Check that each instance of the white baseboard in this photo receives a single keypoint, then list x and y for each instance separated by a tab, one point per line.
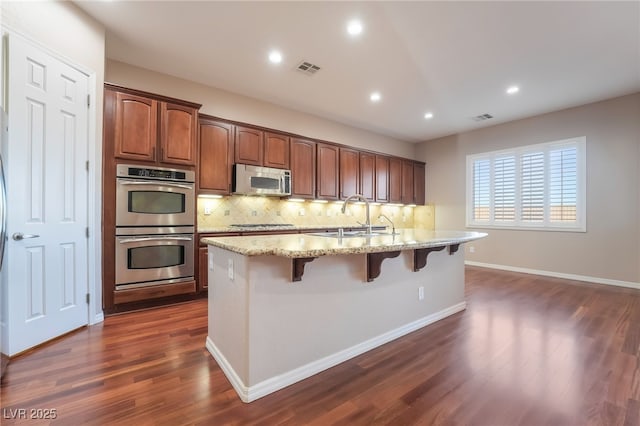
97	318
574	277
251	393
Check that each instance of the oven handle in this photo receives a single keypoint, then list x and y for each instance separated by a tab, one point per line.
144	182
158	238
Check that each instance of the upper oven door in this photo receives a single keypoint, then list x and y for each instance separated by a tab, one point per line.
142	202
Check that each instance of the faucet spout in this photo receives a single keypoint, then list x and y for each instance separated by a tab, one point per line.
359	197
393	227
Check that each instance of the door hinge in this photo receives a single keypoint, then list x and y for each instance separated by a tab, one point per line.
88	101
86	231
88	298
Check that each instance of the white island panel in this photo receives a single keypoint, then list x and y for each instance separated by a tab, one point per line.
268	332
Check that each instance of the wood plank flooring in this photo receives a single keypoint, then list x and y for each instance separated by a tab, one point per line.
528	350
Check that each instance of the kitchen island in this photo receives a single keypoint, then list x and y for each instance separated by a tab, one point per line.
285	307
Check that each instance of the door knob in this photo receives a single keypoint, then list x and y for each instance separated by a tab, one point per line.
20	236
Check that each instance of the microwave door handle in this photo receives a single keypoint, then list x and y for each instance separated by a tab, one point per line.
141	239
144	182
282	184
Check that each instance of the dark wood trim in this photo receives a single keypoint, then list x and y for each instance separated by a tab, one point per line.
374	263
453	248
153	292
420	257
162	98
297	267
4	363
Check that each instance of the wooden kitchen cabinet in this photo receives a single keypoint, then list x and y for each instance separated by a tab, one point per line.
178	134
395	180
368	175
349	172
276	151
216	156
407	182
154	130
136	121
249	146
327	172
303	168
203	268
382	178
419	195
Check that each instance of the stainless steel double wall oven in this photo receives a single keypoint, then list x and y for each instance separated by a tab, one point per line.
155	224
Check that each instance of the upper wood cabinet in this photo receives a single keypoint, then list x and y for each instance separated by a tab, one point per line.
349	172
136	121
368	175
395	180
407	182
147	129
276	151
303	168
382	179
178	134
249	146
327	172
419	183
216	157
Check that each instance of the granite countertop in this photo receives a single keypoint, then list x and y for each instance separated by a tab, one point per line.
283	227
307	245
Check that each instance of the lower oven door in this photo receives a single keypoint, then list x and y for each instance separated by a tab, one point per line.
145	260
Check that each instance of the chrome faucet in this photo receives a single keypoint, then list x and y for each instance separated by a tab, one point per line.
393	227
360	198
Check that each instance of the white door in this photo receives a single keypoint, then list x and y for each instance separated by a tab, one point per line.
45	166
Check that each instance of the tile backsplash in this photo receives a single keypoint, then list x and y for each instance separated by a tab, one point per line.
225	211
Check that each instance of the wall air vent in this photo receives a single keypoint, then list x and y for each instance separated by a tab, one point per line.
482	117
308	68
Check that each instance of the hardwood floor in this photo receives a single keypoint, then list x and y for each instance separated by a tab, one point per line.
528	350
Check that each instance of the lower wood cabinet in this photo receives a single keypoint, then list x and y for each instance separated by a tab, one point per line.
203	269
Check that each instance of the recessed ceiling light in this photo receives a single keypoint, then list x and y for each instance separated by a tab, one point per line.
275	57
375	97
513	90
428	116
354	27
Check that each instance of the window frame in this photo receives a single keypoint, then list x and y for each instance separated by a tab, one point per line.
579	225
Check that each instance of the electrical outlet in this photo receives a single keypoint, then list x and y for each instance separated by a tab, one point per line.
230	269
472	249
210	261
207	210
254	213
227	212
301	212
278	213
421	293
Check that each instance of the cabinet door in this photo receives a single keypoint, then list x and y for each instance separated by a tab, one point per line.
349	172
367	175
249	146
276	151
419	183
407	182
303	168
327	173
178	134
395	180
216	157
136	132
382	179
203	268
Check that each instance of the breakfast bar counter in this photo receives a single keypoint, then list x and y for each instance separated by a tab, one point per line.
285	307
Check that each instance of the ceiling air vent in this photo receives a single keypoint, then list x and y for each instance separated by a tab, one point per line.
308	68
482	117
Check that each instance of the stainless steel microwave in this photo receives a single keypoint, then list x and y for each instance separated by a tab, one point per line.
255	180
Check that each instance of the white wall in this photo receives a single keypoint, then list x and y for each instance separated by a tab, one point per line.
610	249
223	104
69	33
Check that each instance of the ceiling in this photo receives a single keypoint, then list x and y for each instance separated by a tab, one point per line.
453	59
